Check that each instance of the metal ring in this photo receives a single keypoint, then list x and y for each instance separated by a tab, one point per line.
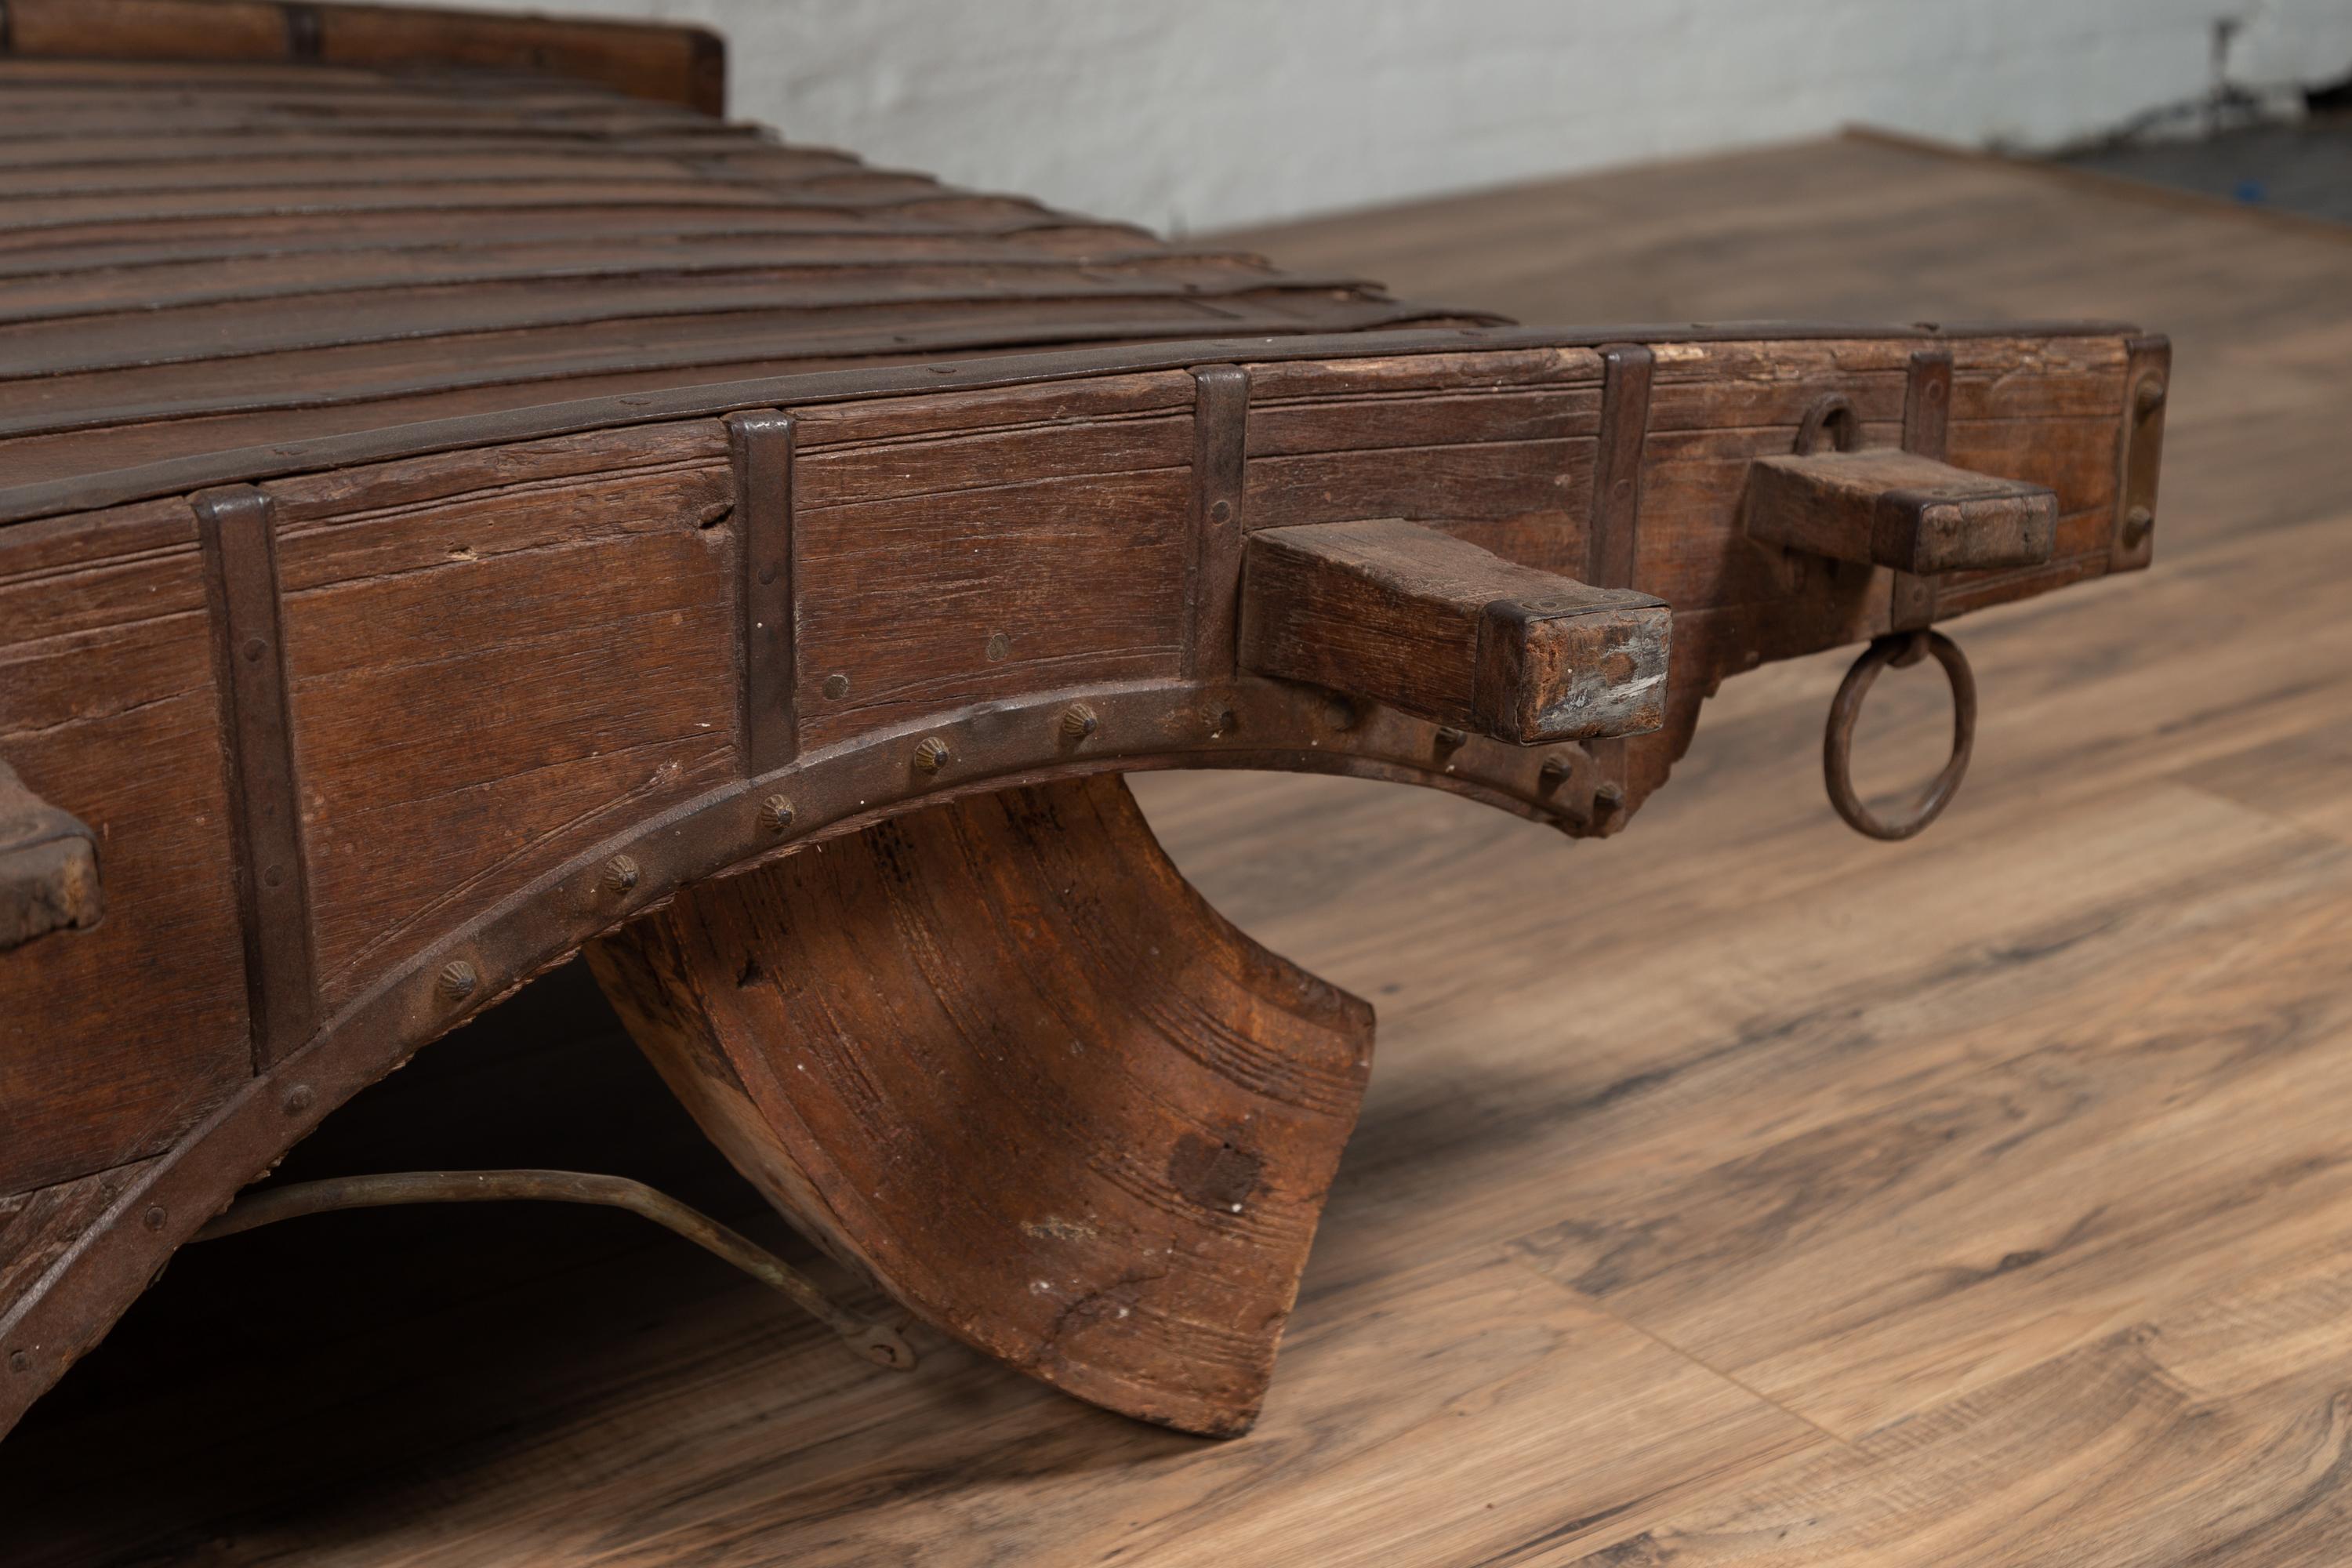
1900	649
1831	413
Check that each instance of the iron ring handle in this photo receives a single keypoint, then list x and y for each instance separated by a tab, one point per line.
1901	649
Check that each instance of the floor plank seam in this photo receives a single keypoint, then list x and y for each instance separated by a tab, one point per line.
1510	1250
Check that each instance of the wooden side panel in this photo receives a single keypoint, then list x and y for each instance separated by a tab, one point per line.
108	710
937	573
684	66
1497	448
496	658
2041	410
1714	408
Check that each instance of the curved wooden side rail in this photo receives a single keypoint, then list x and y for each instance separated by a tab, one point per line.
1001	1056
80	1253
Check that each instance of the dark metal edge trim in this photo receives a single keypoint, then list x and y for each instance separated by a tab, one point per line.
1220	459
1927	431
1613	522
762	445
237	536
2139	449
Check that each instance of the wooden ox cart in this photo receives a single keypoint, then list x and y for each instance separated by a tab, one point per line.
463	504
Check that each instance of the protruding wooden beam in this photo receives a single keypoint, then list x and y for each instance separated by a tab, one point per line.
1887	507
1423	622
48	867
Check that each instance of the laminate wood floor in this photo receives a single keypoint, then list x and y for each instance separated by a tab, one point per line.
1738	1190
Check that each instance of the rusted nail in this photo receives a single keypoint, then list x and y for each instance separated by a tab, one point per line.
1078	721
19	1361
1449	739
776	813
1553	773
2148	396
998	646
2137	522
300	1099
1607	802
1222	511
1340	713
457	980
836	686
931	755
154	1217
620	876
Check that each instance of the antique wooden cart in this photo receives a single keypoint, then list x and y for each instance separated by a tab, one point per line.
463	503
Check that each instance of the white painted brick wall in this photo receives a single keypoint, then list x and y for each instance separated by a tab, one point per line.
1190	114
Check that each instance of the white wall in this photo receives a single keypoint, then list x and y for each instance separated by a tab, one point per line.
1190	114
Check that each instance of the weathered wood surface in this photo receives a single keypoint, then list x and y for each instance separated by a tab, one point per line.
677	65
48	867
1399	614
1999	1178
1899	510
1001	1057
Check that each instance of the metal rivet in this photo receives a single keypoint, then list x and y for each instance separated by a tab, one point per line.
620	875
1607	801
1222	511
836	686
2137	522
19	1361
1340	713
254	649
457	980
931	755
776	813
154	1217
300	1099
1449	739
1078	723
999	646
1553	773
2148	396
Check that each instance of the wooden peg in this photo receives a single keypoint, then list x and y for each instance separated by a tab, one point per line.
1888	508
48	867
1420	621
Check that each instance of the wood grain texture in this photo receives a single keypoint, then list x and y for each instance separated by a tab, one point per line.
124	594
677	65
465	713
370	246
2011	1159
1404	616
1899	510
48	867
1003	1059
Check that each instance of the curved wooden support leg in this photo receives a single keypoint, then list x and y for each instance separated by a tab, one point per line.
1001	1055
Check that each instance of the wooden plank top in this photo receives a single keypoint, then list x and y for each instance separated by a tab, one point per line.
199	257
